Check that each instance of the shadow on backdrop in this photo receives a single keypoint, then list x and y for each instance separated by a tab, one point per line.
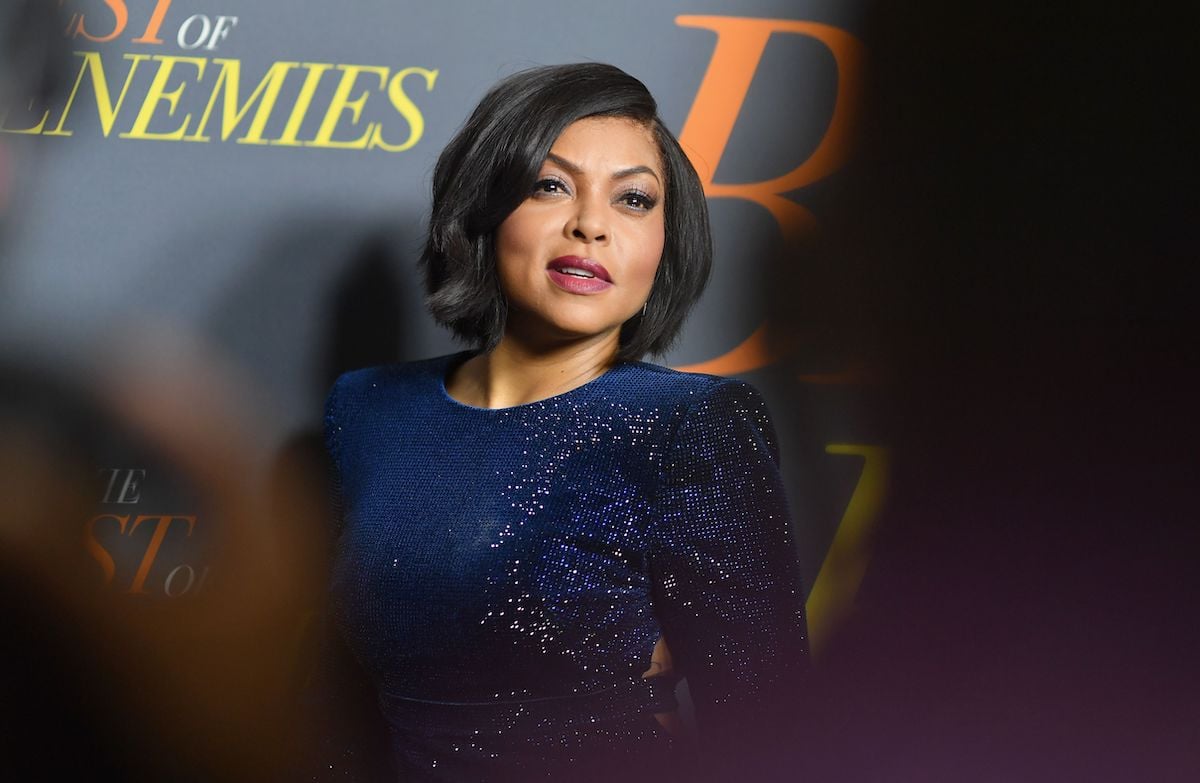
337	699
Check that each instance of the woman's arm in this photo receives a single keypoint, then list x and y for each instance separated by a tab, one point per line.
727	587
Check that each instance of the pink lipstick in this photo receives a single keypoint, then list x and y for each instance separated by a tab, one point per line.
578	275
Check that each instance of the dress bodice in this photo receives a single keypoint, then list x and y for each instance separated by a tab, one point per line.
509	559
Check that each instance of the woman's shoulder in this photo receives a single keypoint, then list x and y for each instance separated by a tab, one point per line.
689	388
393	375
388	384
713	409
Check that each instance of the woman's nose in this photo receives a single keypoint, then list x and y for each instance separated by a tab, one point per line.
587	223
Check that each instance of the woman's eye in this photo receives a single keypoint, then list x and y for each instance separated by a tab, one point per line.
639	201
552	186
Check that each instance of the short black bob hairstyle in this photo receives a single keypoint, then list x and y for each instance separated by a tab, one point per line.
490	167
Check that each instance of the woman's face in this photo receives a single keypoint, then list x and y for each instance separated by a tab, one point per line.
577	258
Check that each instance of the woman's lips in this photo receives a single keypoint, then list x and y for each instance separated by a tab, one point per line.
578	275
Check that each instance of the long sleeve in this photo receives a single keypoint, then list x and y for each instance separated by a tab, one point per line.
727	588
349	742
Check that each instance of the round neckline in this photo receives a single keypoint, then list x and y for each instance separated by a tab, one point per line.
453	361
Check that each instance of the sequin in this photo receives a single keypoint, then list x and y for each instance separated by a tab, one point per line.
503	575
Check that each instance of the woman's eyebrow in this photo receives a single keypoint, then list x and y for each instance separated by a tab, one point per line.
629	172
575	170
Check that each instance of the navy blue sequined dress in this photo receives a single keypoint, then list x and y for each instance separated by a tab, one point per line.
503	574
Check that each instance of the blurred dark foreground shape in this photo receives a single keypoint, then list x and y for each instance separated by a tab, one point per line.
104	684
1009	248
101	680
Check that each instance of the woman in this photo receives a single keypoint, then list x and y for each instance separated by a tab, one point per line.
536	529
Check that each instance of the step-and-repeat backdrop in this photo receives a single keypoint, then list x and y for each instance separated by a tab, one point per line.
223	203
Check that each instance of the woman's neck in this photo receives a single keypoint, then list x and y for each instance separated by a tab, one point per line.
517	373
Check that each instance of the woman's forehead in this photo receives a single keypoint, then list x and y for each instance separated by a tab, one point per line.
605	145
